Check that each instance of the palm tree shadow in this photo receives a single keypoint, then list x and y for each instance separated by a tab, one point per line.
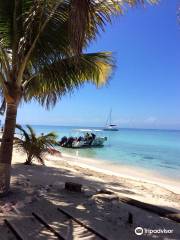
44	186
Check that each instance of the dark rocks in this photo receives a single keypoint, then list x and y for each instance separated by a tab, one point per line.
74	187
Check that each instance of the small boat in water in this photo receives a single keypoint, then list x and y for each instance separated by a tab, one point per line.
109	126
87	138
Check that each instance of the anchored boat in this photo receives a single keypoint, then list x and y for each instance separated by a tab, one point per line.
109	126
87	138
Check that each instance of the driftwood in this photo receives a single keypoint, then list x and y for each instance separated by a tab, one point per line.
105	191
152	208
106	197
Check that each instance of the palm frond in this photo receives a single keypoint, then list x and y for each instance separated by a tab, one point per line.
45	38
3	107
32	132
35	146
85	25
63	75
24	132
88	17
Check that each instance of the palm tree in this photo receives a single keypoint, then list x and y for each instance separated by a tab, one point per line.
41	56
34	146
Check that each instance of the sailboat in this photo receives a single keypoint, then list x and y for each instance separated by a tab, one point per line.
109	126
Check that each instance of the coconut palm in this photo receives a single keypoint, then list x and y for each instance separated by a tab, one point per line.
34	146
41	58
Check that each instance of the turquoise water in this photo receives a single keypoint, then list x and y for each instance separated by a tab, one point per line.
156	150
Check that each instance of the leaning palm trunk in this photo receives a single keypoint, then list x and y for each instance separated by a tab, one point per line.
7	147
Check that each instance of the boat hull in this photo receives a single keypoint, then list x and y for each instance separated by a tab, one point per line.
111	129
97	142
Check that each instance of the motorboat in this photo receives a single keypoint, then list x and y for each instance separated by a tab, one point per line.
85	138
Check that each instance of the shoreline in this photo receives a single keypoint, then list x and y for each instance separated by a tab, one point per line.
124	171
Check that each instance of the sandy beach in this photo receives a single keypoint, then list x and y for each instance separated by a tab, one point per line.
46	183
133	182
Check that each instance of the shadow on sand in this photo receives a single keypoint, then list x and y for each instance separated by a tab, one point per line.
40	189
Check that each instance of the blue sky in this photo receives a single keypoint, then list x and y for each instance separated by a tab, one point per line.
144	91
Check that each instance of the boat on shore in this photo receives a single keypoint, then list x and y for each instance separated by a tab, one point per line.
87	138
109	126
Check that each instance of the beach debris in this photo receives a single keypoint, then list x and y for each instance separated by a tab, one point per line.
48	188
24	183
130	218
89	191
105	197
105	191
7	207
20	204
74	187
41	192
58	185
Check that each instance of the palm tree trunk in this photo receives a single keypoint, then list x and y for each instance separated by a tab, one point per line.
7	148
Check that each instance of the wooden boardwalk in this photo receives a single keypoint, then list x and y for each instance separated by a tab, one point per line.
42	222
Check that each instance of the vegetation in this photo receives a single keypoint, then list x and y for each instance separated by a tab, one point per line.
41	56
34	146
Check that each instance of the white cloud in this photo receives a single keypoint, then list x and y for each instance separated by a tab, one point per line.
151	120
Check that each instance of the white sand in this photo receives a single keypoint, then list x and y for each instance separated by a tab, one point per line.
133	173
132	182
44	185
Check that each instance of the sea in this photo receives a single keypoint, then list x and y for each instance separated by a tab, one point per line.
154	150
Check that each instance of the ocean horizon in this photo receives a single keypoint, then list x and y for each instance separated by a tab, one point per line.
156	150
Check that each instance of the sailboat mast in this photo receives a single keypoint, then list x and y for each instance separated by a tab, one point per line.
110	116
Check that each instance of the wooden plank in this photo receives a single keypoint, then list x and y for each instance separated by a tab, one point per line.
14	230
82	224
49	212
28	228
6	233
42	220
63	225
152	208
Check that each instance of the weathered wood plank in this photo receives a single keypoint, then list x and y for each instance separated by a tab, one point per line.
82	224
65	226
14	230
43	221
152	208
6	233
28	228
